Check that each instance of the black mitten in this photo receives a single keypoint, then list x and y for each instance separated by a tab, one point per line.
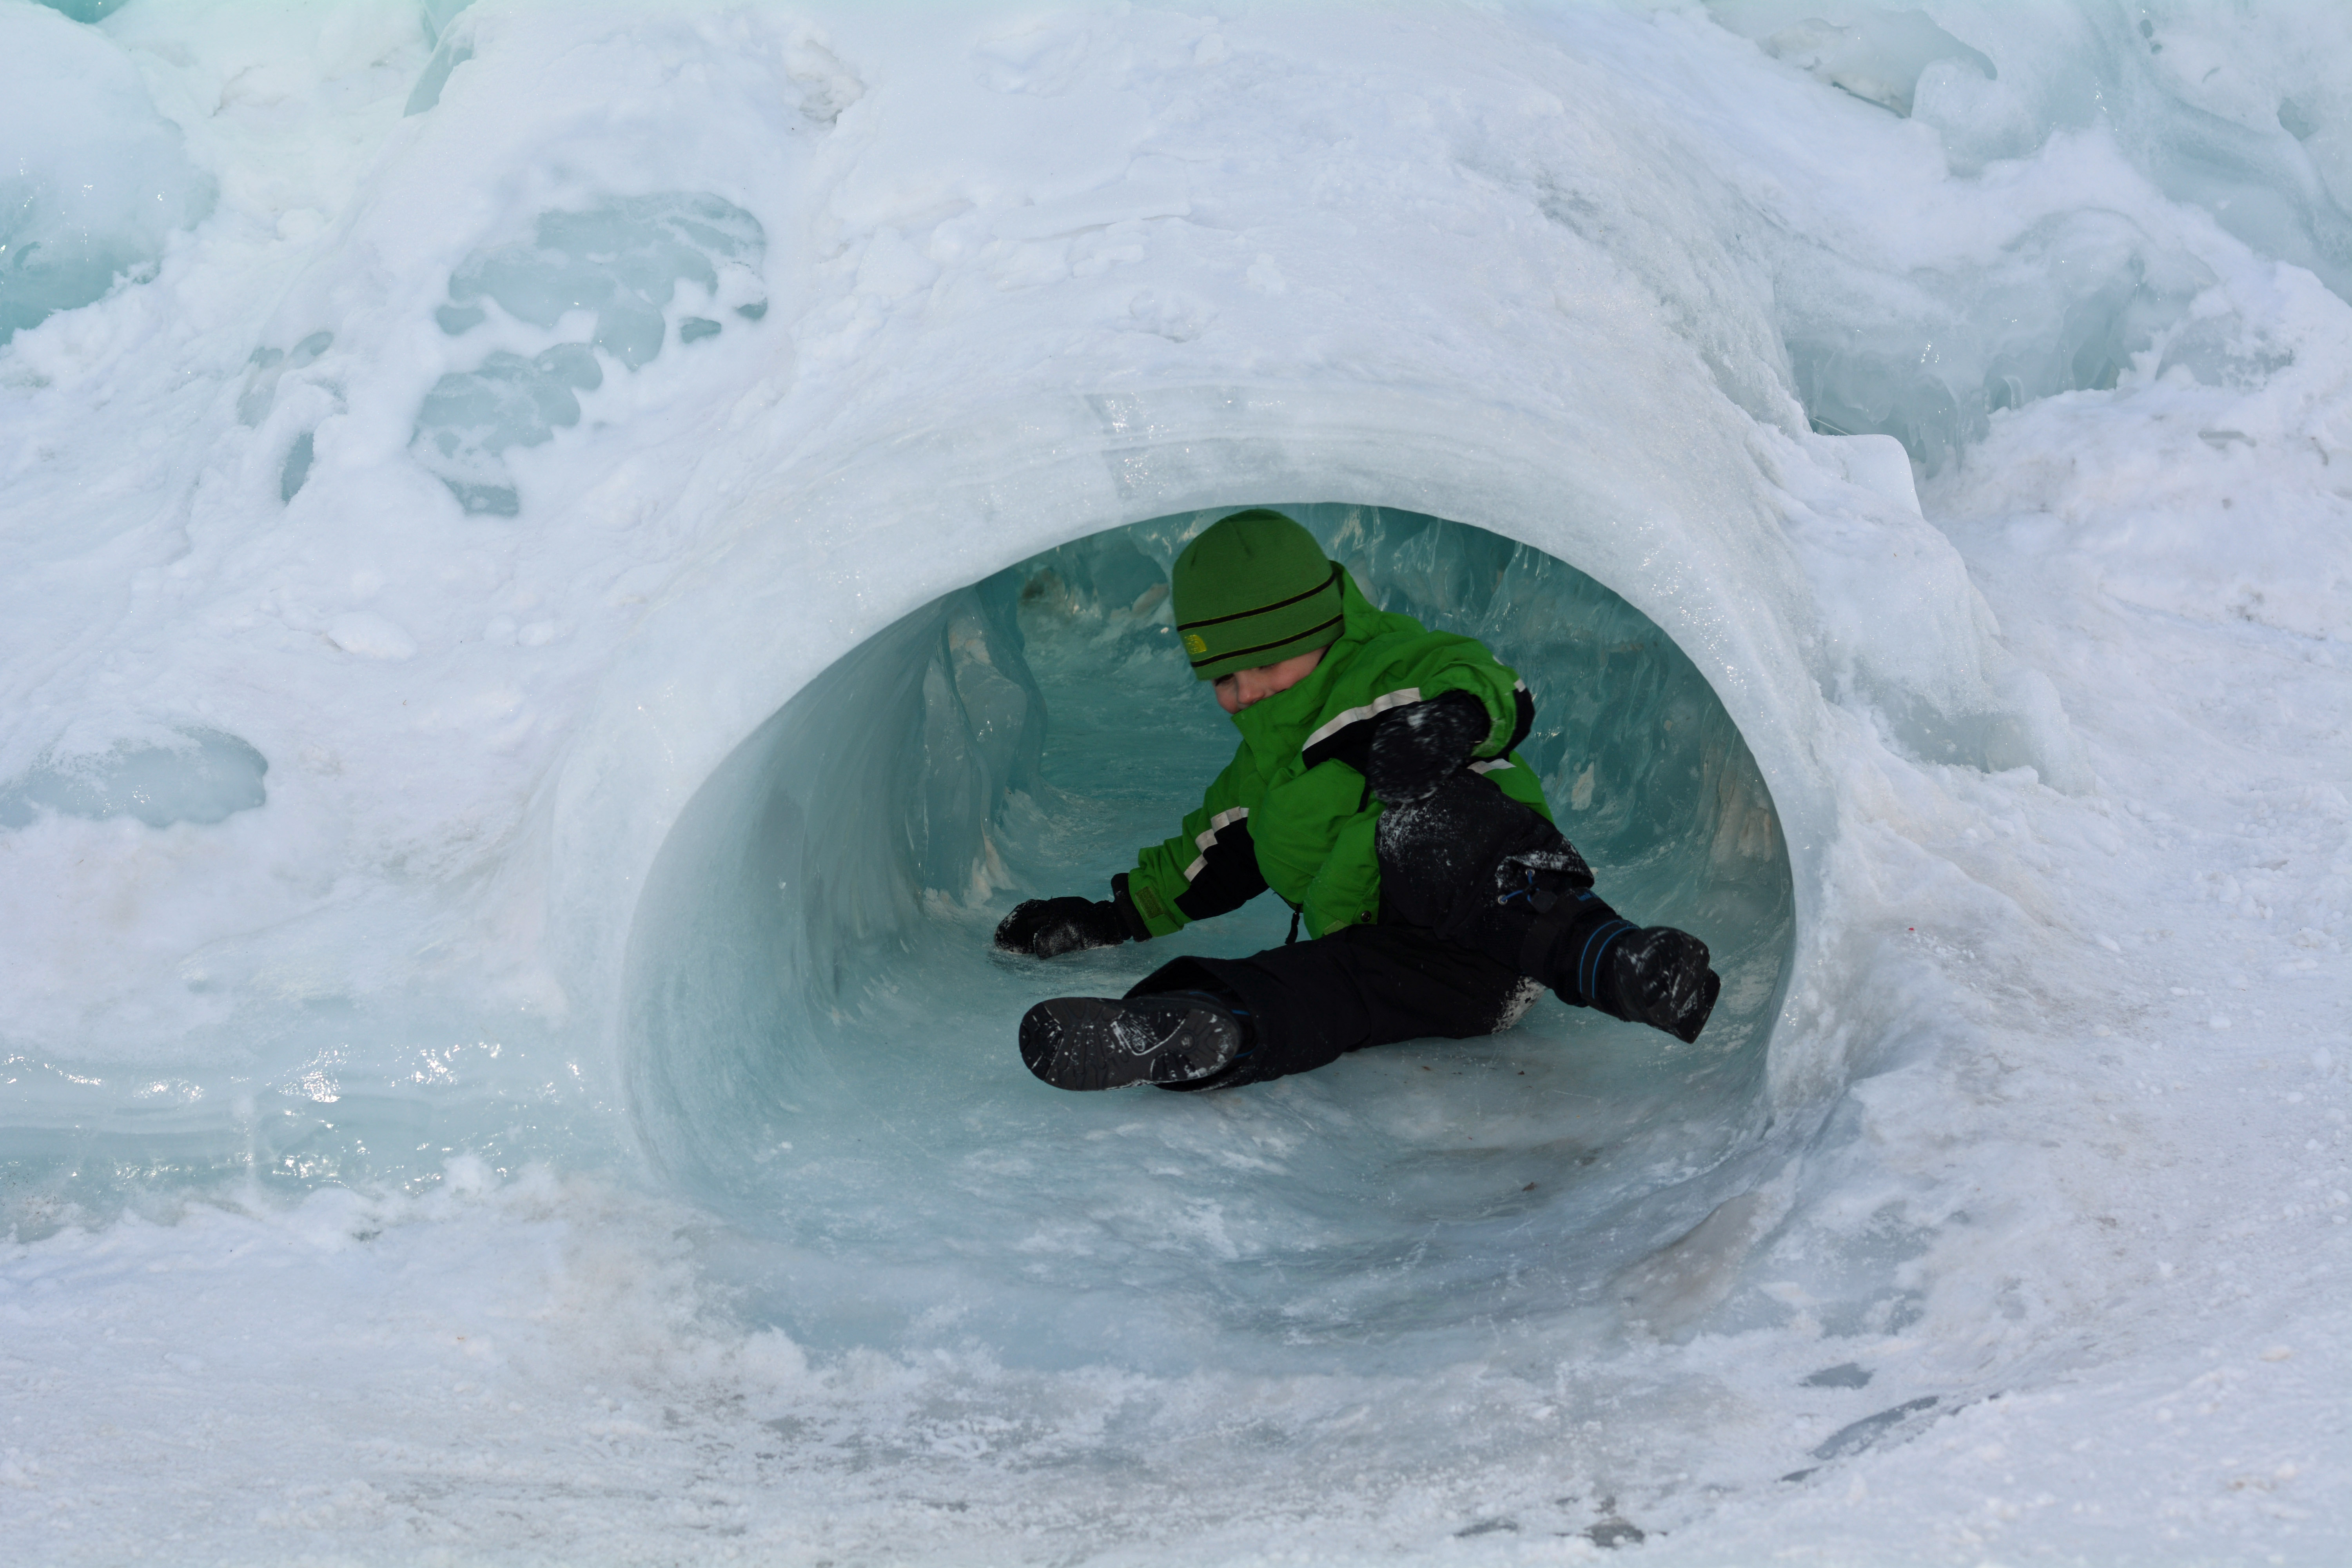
1049	928
1416	746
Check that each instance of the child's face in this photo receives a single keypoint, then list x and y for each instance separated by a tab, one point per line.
1244	687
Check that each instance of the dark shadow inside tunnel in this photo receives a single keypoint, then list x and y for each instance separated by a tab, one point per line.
821	1039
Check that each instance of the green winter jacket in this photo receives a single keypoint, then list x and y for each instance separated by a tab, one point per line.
1292	811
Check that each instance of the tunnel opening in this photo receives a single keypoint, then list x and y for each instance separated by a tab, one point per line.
820	1036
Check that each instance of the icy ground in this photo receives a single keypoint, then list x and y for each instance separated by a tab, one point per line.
437	439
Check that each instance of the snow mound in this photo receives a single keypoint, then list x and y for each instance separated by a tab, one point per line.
97	183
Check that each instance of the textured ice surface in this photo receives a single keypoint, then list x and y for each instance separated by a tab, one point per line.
1876	54
268	365
2063	307
299	458
2059	301
471	418
619	264
201	776
344	1195
439	14
451	50
267	368
454	52
95	181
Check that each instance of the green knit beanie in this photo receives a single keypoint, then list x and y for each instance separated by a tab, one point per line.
1254	589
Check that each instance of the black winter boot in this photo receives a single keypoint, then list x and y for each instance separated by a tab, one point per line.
1100	1042
1659	976
1592	957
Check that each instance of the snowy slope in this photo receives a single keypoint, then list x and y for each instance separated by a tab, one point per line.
515	406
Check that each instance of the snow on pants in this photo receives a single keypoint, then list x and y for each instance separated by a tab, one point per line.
1310	1003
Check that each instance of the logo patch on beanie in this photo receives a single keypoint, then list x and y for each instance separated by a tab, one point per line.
1195	644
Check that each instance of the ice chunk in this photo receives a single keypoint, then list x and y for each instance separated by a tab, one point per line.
439	14
2265	147
85	10
1879	464
451	50
267	365
1904	630
1876	54
198	776
622	261
95	179
2266	150
296	468
452	53
1979	119
471	417
1929	361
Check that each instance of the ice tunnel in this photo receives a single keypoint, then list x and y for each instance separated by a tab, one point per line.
817	1035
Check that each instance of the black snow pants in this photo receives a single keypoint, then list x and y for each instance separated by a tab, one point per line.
1310	1003
1483	905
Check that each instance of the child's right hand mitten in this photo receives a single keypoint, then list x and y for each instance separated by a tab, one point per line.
1416	746
1049	928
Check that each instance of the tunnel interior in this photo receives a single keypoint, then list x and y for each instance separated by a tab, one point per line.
820	1036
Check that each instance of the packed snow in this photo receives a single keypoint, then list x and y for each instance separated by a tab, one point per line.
565	564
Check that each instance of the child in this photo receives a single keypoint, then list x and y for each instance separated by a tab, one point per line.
1376	791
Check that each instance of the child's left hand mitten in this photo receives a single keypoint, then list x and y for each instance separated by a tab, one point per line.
1049	928
1416	746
